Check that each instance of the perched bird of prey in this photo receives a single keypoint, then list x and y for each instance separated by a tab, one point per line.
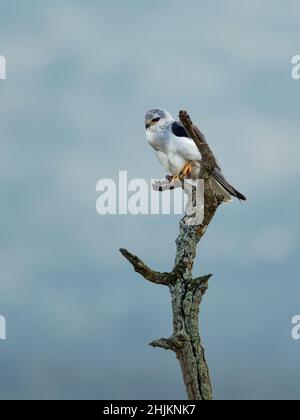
178	153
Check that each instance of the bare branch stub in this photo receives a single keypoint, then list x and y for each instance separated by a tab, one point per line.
165	279
186	291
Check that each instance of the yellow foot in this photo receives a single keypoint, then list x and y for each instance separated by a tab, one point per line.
186	171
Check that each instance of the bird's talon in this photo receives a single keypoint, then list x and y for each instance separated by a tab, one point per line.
186	172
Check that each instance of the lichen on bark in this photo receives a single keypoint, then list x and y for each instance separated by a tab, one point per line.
187	291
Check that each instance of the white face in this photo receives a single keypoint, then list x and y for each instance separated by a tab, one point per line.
156	118
153	121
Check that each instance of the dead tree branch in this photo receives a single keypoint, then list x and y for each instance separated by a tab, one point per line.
186	291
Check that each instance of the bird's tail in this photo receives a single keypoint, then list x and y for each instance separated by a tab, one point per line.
224	184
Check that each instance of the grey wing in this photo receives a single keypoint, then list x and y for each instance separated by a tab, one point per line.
219	177
190	151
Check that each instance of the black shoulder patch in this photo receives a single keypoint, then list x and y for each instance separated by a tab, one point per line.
178	130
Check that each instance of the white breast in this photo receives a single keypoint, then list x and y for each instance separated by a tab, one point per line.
172	162
173	152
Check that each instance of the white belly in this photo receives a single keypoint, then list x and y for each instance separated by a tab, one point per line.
174	163
174	153
171	162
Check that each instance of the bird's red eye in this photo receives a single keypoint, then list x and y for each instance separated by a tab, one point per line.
155	119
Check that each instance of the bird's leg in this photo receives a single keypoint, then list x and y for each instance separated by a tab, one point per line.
186	171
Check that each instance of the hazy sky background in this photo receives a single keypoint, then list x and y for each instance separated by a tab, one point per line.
80	75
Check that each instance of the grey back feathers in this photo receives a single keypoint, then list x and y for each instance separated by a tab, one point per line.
179	131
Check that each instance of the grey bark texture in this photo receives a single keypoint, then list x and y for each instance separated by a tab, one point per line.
186	291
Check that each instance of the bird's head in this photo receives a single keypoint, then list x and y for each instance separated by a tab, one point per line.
157	118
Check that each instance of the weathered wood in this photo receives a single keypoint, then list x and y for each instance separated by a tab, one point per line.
186	291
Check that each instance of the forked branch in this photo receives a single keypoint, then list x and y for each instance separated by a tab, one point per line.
186	291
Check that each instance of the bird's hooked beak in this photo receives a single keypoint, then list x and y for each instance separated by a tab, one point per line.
148	124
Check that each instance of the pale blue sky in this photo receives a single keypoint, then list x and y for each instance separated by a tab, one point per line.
80	75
